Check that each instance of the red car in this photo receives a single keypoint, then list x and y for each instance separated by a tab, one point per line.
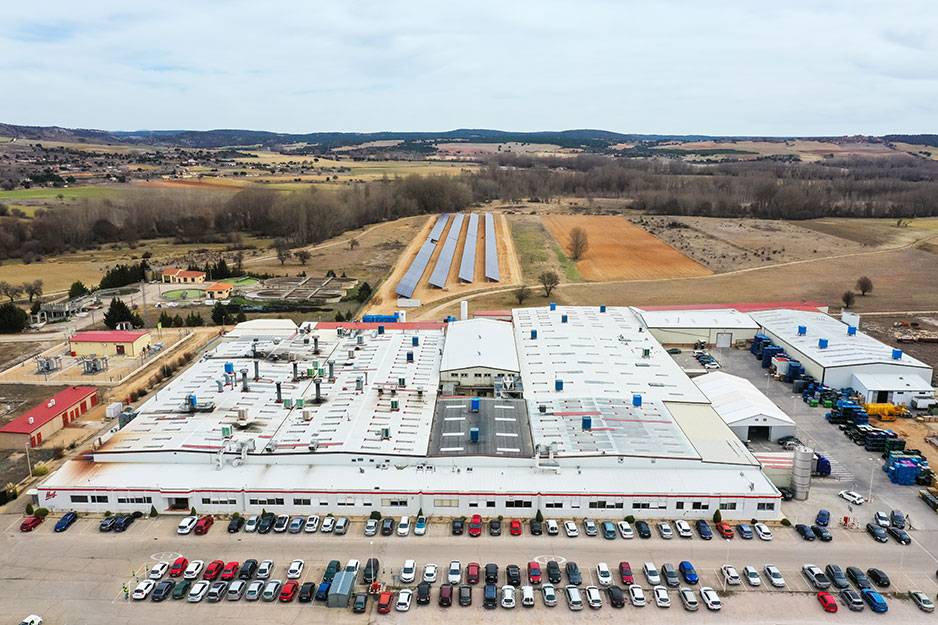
30	523
625	572
827	601
472	573
203	525
289	591
725	529
384	602
213	570
515	527
534	572
229	572
475	526
178	567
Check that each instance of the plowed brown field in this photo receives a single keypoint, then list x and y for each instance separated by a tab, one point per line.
619	250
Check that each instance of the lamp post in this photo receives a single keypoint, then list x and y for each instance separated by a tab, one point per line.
872	469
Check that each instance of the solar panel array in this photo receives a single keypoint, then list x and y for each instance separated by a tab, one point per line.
445	260
408	284
467	266
438	228
491	250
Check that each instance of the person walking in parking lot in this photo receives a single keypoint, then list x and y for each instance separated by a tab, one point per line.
126	593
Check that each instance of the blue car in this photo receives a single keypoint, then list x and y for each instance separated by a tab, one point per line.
744	530
420	527
123	522
823	518
322	593
703	529
66	521
875	600
688	572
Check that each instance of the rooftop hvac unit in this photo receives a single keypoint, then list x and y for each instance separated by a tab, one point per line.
226	431
385	434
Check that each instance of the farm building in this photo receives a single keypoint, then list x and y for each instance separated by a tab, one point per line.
477	354
745	409
109	343
43	420
840	355
718	327
174	275
218	290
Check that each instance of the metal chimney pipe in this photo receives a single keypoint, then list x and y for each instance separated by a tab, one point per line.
315	344
318	389
331	370
244	380
257	370
295	374
279	395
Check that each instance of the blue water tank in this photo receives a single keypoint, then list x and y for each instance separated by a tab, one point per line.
474	404
533	335
802	330
415	341
193	400
602	308
380	329
822	343
558	385
229	368
897	354
563	318
553	306
636	400
410	356
474	435
587	423
851	330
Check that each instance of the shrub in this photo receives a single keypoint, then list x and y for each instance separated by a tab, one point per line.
786	522
153	512
29	509
630	518
40	469
717	516
539	517
375	515
107	513
58	453
192	511
41	512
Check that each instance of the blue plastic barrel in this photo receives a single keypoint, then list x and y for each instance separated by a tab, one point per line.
475	404
415	341
851	330
474	435
229	368
533	335
897	354
802	330
553	306
558	385
410	356
636	400
563	318
822	343
587	423
380	329
602	308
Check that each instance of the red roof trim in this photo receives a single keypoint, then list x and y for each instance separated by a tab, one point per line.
43	413
391	325
108	336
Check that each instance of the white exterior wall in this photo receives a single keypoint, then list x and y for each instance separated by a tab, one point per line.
475	376
689	336
810	366
838	377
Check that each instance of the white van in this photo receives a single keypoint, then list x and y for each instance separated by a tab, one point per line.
552	528
527	596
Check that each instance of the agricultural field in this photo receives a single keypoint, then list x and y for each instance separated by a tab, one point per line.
467	149
538	251
28	200
873	232
805	149
620	250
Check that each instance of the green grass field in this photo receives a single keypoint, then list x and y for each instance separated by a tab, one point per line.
184	294
68	194
242	281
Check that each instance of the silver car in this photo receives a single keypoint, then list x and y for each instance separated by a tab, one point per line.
550	595
255	588
689	599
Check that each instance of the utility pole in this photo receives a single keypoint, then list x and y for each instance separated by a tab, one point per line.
28	463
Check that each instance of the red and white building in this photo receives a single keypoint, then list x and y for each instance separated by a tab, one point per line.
43	420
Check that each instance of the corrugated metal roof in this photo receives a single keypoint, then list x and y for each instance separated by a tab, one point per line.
467	266
491	249
108	336
445	260
43	413
712	318
892	382
737	400
479	343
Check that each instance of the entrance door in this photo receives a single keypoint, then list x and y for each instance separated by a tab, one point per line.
120	350
882	397
179	503
724	339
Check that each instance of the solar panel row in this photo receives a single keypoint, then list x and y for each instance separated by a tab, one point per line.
445	260
438	227
467	266
408	284
491	249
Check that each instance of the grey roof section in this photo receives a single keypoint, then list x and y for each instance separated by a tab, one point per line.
445	260
467	266
503	425
408	284
491	249
438	228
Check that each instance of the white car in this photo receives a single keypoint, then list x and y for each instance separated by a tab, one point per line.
774	575
763	531
403	526
593	597
187	524
198	591
251	524
312	524
688	599
527	596
651	573
664	529
550	595
295	570
603	574
662	598
730	576
852	497
454	574
881	519
264	569
328	524
429	573
194	569
752	575
710	598
712	365
552	528
420	528
255	588
571	529
143	589
625	530
508	597
371	527
403	600
32	619
158	570
683	528
637	595
408	571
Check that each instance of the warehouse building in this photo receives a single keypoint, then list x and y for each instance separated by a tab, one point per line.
43	420
478	353
720	327
841	356
745	409
131	343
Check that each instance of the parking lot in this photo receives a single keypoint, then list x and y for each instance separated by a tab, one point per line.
77	576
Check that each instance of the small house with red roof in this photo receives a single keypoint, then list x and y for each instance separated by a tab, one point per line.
218	290
43	420
174	275
109	343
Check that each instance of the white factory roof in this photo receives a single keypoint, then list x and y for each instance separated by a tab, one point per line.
842	350
737	400
728	318
893	382
264	327
479	343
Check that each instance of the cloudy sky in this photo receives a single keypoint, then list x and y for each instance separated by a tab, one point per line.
663	66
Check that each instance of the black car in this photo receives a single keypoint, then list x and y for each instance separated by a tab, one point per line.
822	533
387	526
878	533
465	595
837	575
107	524
878	577
266	523
360	603
248	569
858	577
423	593
331	569
123	522
537	528
235	524
573	573
371	571
806	532
307	592
897	519
458	526
644	531
852	599
513	574
900	535
495	527
703	529
491	573
553	572
787	493
162	589
616	597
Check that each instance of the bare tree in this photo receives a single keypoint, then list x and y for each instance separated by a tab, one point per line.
848	298
864	285
33	289
579	243
522	294
283	250
10	290
549	280
303	256
352	244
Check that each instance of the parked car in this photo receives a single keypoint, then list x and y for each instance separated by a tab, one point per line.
837	576
823	518
371	570
665	531
254	591
574	598
827	601
322	591
549	595
107	524
296	525
307	592
574	577
264	569
371	527
454	572
703	529
514	527
897	519
874	600
178	567
900	535
465	596
553	571
430	572
637	596
644	531
328	525
851	497
66	521
508	597
536	527
266	523
603	574
123	522
198	591
495	527
295	570
534	573
662	598
920	599
384	602
710	598
203	525
594	598
194	569
553	528
688	572
763	531
312	524
186	524
858	577
852	599
625	530
688	599
423	593
341	526
403	529
251	524
651	573
878	577
457	526
683	529
751	575
235	524
625	573
730	575
404	597
589	527
158	570
774	575
420	526
822	533
571	529
877	532
475	526
162	590
805	532
213	570
181	589
236	590
670	576
360	603
816	576
725	530
230	571
608	529
744	530
143	590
